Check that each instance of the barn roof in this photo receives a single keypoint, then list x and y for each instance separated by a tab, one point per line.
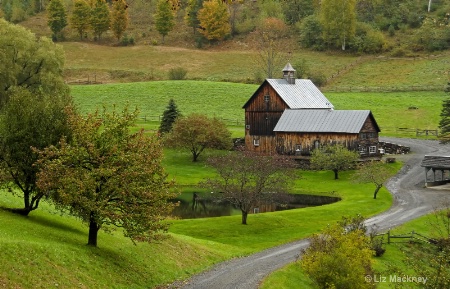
319	120
436	162
303	94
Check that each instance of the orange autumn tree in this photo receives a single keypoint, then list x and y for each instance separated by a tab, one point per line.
108	177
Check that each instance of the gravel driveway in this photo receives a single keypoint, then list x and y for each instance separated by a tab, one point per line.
411	200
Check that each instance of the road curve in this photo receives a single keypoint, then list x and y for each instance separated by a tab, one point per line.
411	200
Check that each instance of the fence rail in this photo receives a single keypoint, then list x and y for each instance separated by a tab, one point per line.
408	237
384	88
227	121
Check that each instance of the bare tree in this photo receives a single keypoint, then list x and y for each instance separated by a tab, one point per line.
247	180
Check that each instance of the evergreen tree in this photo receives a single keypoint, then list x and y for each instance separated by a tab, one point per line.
119	18
80	17
100	18
444	123
164	18
57	17
169	116
192	9
214	20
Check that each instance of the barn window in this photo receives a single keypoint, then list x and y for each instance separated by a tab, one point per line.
256	142
316	144
372	149
362	149
266	98
362	135
298	150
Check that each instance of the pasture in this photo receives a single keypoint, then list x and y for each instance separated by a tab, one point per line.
412	110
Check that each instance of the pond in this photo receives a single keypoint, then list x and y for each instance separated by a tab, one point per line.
204	205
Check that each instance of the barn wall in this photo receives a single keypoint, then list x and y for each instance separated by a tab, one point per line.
304	143
261	116
266	144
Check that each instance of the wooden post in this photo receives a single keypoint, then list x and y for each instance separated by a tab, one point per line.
389	236
412	236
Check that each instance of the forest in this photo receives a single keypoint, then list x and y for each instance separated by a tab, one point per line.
397	27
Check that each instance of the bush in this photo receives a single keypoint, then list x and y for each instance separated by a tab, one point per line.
318	78
177	73
127	40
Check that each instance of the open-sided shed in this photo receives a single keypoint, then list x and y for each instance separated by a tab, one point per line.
439	166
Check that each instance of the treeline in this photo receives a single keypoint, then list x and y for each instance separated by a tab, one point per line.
363	26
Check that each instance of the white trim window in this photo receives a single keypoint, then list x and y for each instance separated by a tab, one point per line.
256	142
372	149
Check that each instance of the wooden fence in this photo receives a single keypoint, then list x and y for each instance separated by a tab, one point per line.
407	238
227	121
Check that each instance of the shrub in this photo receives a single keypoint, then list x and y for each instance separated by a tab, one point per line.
318	78
127	40
177	73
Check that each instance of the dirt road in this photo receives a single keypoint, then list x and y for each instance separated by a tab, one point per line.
411	200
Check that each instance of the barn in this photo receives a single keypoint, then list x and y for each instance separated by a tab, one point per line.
292	117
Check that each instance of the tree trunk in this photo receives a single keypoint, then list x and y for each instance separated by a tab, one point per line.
336	174
376	191
244	217
93	231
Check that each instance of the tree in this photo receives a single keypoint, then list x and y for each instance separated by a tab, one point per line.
214	20
198	132
29	120
57	17
100	19
339	258
338	19
35	64
80	17
119	18
296	10
373	172
444	123
170	115
192	8
32	100
270	52
164	18
335	158
108	177
248	180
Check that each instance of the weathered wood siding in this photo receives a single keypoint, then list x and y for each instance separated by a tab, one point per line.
263	111
262	114
265	144
365	142
288	143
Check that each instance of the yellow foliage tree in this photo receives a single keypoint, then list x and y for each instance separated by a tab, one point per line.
119	18
214	20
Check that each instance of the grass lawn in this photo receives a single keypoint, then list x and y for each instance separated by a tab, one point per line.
270	229
34	248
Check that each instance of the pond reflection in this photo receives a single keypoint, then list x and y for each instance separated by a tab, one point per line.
203	205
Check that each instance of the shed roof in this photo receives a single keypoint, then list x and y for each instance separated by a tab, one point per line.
303	94
319	120
436	162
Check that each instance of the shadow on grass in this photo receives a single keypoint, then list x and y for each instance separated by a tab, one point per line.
43	221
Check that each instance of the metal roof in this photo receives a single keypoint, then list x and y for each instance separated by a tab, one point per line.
302	94
319	120
436	162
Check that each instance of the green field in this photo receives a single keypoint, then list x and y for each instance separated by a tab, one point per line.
412	110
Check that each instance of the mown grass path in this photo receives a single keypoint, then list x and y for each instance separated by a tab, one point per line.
411	201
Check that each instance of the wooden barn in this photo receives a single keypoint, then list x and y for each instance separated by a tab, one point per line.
291	116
